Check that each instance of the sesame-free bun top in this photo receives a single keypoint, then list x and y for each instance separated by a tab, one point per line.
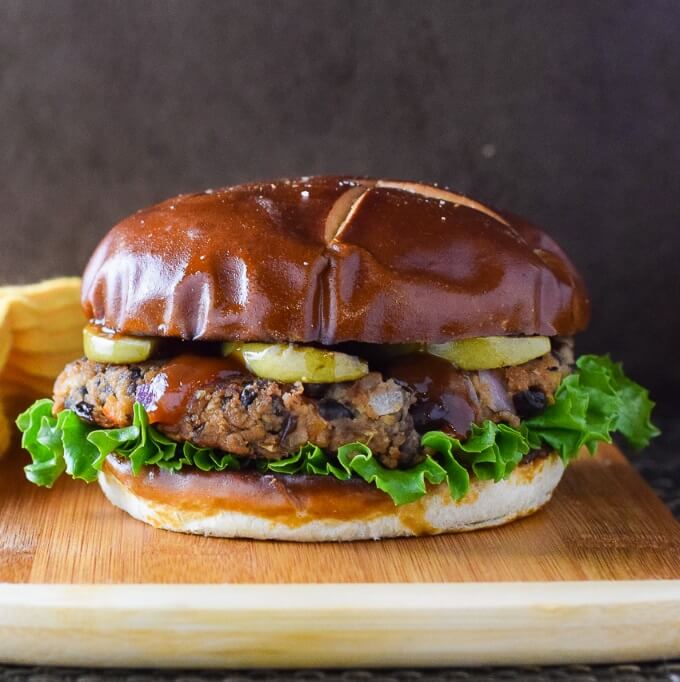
331	259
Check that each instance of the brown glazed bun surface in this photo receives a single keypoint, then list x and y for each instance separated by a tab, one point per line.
328	260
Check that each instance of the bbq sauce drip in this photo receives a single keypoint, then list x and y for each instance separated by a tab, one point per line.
446	399
167	396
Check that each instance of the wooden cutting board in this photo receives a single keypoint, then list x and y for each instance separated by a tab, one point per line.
595	576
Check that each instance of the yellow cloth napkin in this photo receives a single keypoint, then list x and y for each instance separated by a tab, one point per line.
40	331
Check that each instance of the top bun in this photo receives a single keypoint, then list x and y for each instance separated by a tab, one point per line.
331	259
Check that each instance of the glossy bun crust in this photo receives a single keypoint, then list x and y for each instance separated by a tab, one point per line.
241	504
328	260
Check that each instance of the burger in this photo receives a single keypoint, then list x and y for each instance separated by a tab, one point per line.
329	358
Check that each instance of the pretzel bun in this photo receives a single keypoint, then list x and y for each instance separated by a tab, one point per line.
327	260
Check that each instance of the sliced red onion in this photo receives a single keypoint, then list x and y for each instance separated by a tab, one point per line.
498	394
148	395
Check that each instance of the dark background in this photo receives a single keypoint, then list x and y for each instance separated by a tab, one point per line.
567	112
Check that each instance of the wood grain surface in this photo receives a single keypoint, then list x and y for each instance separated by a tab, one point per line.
604	523
339	625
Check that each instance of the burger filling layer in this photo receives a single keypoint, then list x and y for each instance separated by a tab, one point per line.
399	417
217	403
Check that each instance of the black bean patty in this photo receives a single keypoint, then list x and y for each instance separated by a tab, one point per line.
252	417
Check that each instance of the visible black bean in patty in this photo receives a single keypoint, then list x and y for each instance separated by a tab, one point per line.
84	410
315	391
529	403
248	395
331	409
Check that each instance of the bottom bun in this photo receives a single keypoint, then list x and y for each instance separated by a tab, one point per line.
317	508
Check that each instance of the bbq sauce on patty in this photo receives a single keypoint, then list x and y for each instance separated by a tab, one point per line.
445	397
168	394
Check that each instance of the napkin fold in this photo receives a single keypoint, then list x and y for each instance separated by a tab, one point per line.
40	332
